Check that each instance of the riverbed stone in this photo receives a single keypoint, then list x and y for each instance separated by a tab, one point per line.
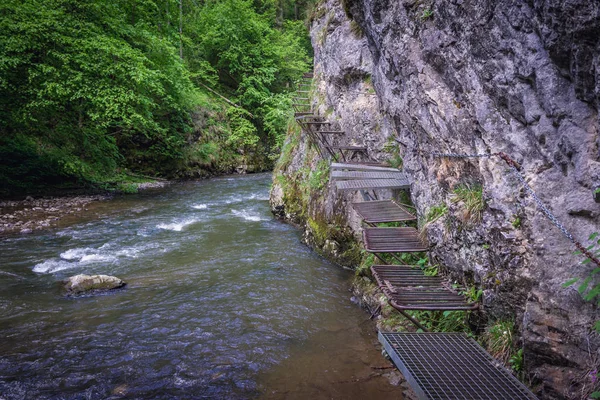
92	283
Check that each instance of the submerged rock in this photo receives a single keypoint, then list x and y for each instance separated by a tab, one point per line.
91	283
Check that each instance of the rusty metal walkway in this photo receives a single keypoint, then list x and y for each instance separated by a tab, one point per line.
407	288
380	211
443	366
393	240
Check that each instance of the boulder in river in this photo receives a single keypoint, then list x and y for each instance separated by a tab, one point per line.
91	283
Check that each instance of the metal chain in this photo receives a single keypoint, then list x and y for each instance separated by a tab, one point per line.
515	167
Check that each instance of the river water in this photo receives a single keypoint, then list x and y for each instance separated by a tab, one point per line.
223	302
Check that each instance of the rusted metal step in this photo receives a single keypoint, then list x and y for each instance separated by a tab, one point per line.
303	114
427	299
361	166
403	276
372	184
332	132
379	211
308	75
451	366
310	117
353	148
317	122
349	175
392	240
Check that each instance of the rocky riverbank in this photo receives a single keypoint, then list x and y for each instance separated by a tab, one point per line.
26	216
31	214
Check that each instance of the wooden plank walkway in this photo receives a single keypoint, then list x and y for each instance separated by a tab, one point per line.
372	184
392	240
445	366
349	175
361	167
379	211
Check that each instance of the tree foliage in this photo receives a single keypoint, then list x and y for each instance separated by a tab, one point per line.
89	87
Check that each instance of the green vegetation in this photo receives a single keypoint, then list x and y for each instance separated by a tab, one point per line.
471	196
435	213
516	223
163	88
427	13
356	29
589	288
395	160
499	341
590	292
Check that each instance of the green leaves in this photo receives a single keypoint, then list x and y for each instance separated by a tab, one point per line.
88	80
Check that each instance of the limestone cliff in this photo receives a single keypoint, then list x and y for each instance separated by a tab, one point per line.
517	76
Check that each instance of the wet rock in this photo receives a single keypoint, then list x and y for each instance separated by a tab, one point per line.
79	284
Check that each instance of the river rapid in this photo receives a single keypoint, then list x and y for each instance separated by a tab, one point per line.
223	302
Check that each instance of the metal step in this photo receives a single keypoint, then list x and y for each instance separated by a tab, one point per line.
372	184
392	240
398	276
450	366
349	175
361	167
332	132
354	148
374	212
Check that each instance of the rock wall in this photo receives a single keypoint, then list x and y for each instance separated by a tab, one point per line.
482	76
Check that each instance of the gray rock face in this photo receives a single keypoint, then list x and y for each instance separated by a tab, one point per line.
484	76
79	284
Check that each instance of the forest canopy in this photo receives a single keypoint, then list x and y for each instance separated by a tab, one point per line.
91	89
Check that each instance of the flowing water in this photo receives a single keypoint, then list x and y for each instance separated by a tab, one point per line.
222	302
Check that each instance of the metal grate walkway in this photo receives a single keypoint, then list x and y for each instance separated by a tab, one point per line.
403	275
348	175
392	240
372	184
379	211
448	366
361	167
407	288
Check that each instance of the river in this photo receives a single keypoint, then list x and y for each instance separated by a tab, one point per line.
223	302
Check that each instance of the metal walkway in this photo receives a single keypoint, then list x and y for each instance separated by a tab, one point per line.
367	166
445	366
379	211
393	240
372	184
349	175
